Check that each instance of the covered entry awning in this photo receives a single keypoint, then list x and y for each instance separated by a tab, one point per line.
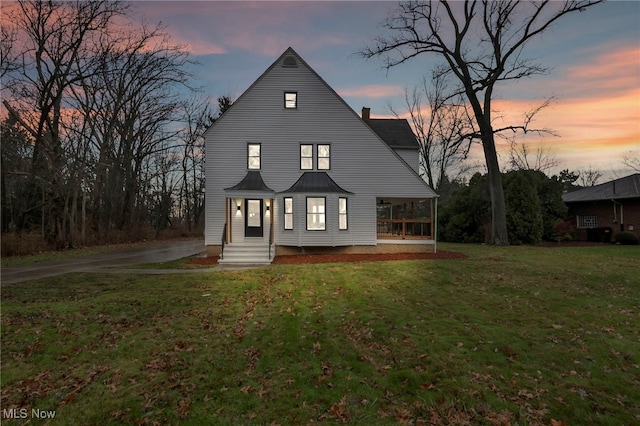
251	186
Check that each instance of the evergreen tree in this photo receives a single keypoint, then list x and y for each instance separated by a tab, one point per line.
524	212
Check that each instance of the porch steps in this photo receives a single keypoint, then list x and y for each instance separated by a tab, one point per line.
247	253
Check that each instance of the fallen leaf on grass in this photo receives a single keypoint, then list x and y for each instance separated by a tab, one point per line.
339	410
183	408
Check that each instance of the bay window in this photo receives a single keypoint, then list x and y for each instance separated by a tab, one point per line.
316	214
342	213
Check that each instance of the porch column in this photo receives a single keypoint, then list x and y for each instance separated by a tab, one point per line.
432	218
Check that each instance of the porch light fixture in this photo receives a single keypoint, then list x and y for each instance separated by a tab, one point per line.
238	207
267	203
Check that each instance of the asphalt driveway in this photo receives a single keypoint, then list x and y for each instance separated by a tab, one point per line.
162	252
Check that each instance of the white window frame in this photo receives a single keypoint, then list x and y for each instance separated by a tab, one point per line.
586	221
317	217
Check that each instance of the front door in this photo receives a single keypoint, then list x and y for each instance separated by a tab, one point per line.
253	225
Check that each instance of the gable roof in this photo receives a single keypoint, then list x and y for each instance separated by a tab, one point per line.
626	187
396	132
290	52
316	182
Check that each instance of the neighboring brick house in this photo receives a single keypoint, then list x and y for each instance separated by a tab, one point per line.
601	211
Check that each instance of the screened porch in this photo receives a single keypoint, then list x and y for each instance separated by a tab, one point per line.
405	218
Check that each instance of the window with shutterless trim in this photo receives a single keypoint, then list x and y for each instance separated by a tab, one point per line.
253	156
324	157
342	213
316	213
587	222
291	100
288	213
306	157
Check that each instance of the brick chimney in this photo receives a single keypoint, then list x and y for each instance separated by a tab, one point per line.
366	112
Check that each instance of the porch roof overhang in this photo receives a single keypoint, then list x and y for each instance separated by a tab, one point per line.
251	186
316	182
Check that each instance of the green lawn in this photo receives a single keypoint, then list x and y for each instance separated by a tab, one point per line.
516	335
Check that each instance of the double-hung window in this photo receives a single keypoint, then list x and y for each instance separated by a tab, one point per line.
291	100
342	213
324	157
316	214
253	156
323	154
306	157
288	213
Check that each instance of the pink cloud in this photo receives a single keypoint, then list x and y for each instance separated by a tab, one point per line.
264	28
372	91
612	72
610	65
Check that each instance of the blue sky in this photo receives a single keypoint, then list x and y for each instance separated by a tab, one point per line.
593	56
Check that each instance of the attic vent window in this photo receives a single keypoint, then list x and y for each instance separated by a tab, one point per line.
290	100
289	61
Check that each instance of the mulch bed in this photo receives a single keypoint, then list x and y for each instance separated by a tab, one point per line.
338	258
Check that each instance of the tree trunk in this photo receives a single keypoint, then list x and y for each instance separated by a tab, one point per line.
498	208
496	191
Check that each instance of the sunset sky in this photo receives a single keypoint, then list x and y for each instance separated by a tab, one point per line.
593	56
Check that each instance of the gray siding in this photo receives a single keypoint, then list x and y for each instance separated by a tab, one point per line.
411	157
360	162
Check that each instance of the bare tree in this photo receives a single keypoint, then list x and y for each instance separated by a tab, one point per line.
8	55
444	133
521	157
57	53
197	118
589	176
632	160
130	102
482	43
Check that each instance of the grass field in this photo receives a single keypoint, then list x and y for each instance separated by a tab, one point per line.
516	335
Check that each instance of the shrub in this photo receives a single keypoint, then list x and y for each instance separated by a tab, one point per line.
627	238
464	219
562	231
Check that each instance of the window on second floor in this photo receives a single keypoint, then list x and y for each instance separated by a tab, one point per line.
253	156
322	152
306	157
324	157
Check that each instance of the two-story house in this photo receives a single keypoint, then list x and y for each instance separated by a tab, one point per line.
290	167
